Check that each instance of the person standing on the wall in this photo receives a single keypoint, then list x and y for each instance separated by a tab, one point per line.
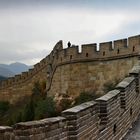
69	44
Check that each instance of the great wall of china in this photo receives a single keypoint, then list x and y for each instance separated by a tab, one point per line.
107	118
68	71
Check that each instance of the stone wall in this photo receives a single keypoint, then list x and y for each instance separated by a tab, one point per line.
93	77
107	118
68	71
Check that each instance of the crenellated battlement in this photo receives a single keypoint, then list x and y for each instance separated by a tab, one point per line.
111	50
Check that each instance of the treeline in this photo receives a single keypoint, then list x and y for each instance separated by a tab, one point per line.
36	107
39	106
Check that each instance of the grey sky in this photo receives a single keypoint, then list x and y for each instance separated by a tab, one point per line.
30	28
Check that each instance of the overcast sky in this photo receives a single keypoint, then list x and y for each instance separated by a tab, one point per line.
30	28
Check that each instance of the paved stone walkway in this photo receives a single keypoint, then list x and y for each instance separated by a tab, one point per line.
134	133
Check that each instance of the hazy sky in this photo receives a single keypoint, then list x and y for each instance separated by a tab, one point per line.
30	28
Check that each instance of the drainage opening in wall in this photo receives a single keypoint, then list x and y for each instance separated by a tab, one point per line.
118	51
103	53
131	111
86	54
133	48
114	129
70	57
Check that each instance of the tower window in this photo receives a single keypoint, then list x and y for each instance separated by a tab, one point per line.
86	54
103	53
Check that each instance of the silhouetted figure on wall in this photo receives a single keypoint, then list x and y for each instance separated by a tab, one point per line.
69	44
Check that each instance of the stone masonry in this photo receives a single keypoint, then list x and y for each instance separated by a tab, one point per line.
107	118
67	71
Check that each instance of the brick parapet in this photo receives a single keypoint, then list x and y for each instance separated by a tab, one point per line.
107	118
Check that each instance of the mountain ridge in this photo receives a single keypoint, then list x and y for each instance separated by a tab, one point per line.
2	78
9	70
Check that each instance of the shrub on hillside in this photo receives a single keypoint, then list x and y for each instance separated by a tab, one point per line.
65	104
84	97
28	113
108	87
4	106
45	108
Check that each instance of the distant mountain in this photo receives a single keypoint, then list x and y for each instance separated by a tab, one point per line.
2	78
13	69
6	72
17	68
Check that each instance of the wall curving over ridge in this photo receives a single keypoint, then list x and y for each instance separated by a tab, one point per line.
107	118
68	71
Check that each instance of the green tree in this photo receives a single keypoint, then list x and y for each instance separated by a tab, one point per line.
4	106
29	111
45	108
84	97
